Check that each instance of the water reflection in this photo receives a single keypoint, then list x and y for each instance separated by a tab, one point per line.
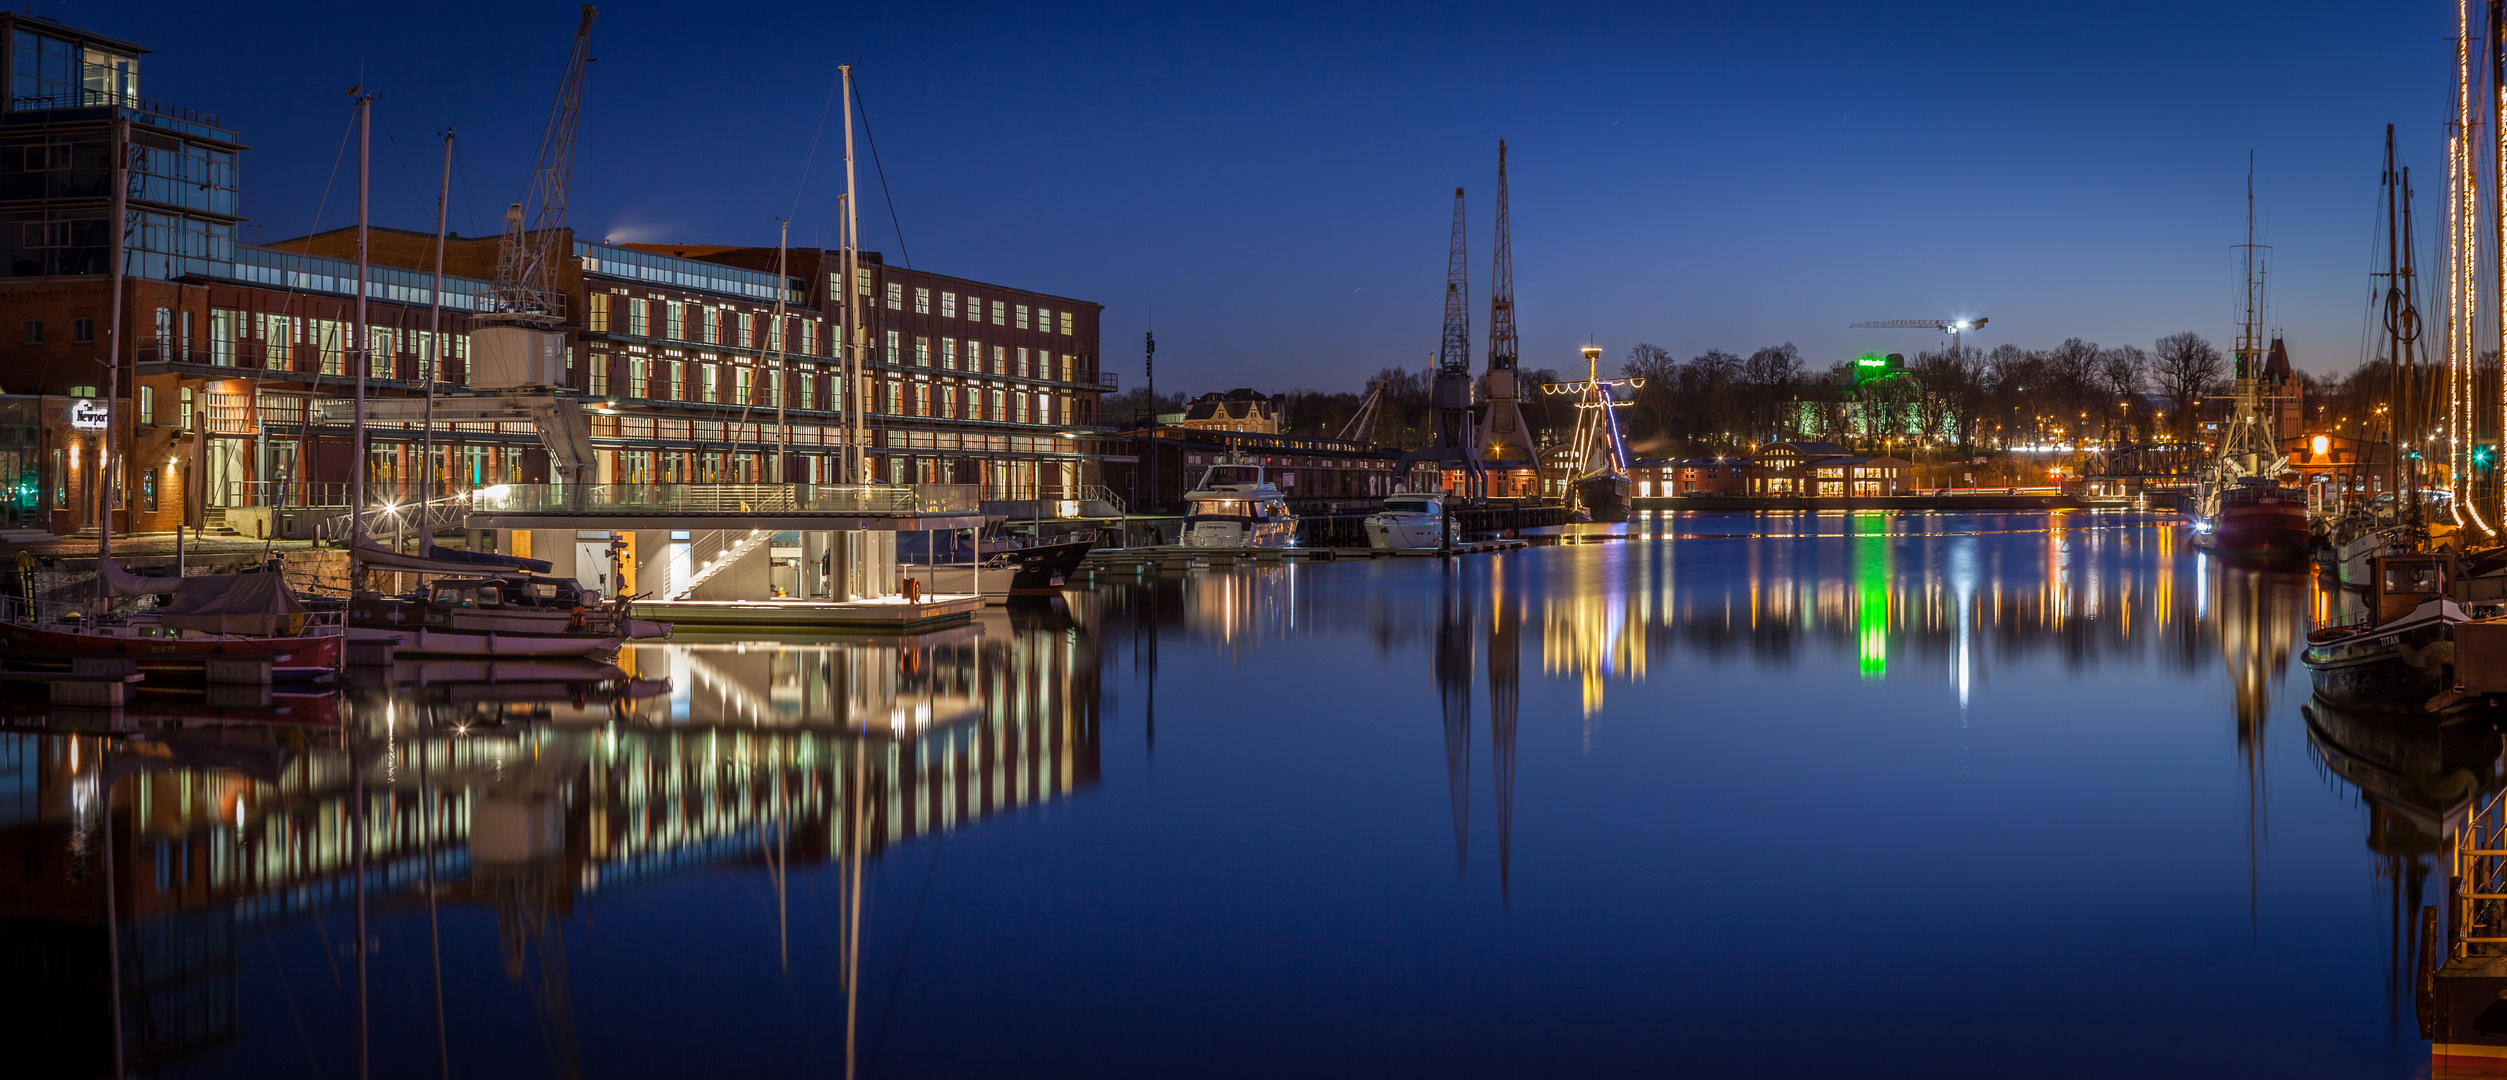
518	797
713	768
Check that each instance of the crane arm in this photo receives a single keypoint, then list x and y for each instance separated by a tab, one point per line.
1900	324
526	263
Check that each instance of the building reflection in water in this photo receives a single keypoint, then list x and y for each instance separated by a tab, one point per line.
517	797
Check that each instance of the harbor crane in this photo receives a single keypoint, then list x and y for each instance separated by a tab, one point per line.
1952	327
526	290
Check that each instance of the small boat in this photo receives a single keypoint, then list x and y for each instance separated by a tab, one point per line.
1411	521
209	617
489	616
2400	656
1236	506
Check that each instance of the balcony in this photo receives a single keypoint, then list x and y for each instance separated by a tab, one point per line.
99	99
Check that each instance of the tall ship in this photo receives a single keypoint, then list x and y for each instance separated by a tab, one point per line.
2240	505
1597	482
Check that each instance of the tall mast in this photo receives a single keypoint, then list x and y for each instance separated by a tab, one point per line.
2498	189
435	347
2394	423
856	463
363	354
774	340
2463	270
113	357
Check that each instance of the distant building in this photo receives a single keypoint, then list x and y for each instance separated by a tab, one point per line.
1657	478
1240	410
1820	469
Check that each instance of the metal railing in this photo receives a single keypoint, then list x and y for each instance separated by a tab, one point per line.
726	499
1097	493
1109	380
285	493
392	522
2480	881
83	98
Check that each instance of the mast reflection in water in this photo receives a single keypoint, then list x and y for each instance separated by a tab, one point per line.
1781	795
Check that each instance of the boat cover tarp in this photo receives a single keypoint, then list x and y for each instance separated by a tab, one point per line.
435	562
120	582
258	603
486	558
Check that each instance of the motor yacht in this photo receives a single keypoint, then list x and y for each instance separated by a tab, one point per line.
1411	521
1236	506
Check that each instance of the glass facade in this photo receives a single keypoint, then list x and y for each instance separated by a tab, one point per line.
52	73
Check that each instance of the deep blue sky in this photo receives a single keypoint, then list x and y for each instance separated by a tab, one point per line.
1276	181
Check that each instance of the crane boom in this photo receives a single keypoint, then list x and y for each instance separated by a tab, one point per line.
1909	324
526	262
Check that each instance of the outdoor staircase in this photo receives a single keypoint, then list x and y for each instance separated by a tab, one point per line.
724	556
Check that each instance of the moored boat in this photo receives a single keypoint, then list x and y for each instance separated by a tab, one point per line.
1236	506
2400	655
1411	521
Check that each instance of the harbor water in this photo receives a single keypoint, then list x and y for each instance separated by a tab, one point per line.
1970	795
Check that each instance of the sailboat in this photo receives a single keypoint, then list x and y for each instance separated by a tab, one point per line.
2392	523
2240	505
1598	483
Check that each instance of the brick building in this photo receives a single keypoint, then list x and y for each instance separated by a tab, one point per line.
234	357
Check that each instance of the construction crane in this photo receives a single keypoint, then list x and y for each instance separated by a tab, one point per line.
1509	438
526	290
1952	327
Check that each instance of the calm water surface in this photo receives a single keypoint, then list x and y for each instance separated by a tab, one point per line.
1928	795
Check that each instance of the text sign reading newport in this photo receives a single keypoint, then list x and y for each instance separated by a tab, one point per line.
87	415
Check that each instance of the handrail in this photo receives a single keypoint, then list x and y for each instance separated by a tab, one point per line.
726	498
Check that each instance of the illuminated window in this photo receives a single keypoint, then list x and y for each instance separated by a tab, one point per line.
1066	322
922	301
948	305
598	320
997	313
1021	309
896	296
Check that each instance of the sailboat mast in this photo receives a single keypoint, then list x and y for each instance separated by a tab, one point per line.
2498	186
2393	330
113	360
783	380
363	354
857	462
435	346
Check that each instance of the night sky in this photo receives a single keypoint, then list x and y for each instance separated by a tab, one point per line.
1275	182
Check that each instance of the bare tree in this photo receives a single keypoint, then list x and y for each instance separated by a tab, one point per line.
2189	369
2121	373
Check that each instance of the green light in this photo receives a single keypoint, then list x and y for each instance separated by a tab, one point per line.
1873	361
1871	594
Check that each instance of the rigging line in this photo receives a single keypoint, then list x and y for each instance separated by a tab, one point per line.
404	162
864	108
888	1008
824	108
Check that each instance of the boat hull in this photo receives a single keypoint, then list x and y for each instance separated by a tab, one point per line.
2263	529
29	646
2398	667
1232	533
1404	532
1605	498
427	641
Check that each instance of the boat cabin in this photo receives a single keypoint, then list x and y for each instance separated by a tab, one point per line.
560	593
2404	582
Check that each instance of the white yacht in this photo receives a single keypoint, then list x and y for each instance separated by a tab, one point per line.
1410	520
1235	506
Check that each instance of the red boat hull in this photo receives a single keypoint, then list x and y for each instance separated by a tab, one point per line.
164	654
2258	529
